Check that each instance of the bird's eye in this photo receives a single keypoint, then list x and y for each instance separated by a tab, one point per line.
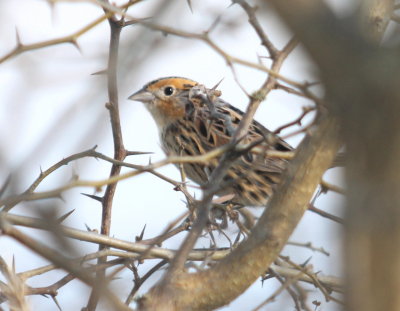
169	90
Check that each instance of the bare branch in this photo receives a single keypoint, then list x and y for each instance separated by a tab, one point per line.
273	51
57	258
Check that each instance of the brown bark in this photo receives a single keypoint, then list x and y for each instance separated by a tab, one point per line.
365	95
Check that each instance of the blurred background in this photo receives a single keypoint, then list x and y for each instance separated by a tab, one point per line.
52	106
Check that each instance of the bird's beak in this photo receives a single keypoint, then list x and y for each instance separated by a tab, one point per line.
142	96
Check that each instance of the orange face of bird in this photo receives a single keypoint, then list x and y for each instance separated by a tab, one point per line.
164	98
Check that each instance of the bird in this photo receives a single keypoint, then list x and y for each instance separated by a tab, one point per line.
193	120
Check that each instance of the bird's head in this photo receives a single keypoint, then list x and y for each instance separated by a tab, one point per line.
165	98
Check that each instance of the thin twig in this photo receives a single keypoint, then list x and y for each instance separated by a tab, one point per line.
297	121
325	186
273	51
313	276
309	246
325	214
140	282
289	281
72	38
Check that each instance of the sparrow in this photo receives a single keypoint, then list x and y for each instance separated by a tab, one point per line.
193	120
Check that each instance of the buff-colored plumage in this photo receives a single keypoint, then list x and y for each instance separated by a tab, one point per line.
187	126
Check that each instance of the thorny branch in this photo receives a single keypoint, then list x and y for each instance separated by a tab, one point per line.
29	196
134	250
119	149
285	286
72	38
57	258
